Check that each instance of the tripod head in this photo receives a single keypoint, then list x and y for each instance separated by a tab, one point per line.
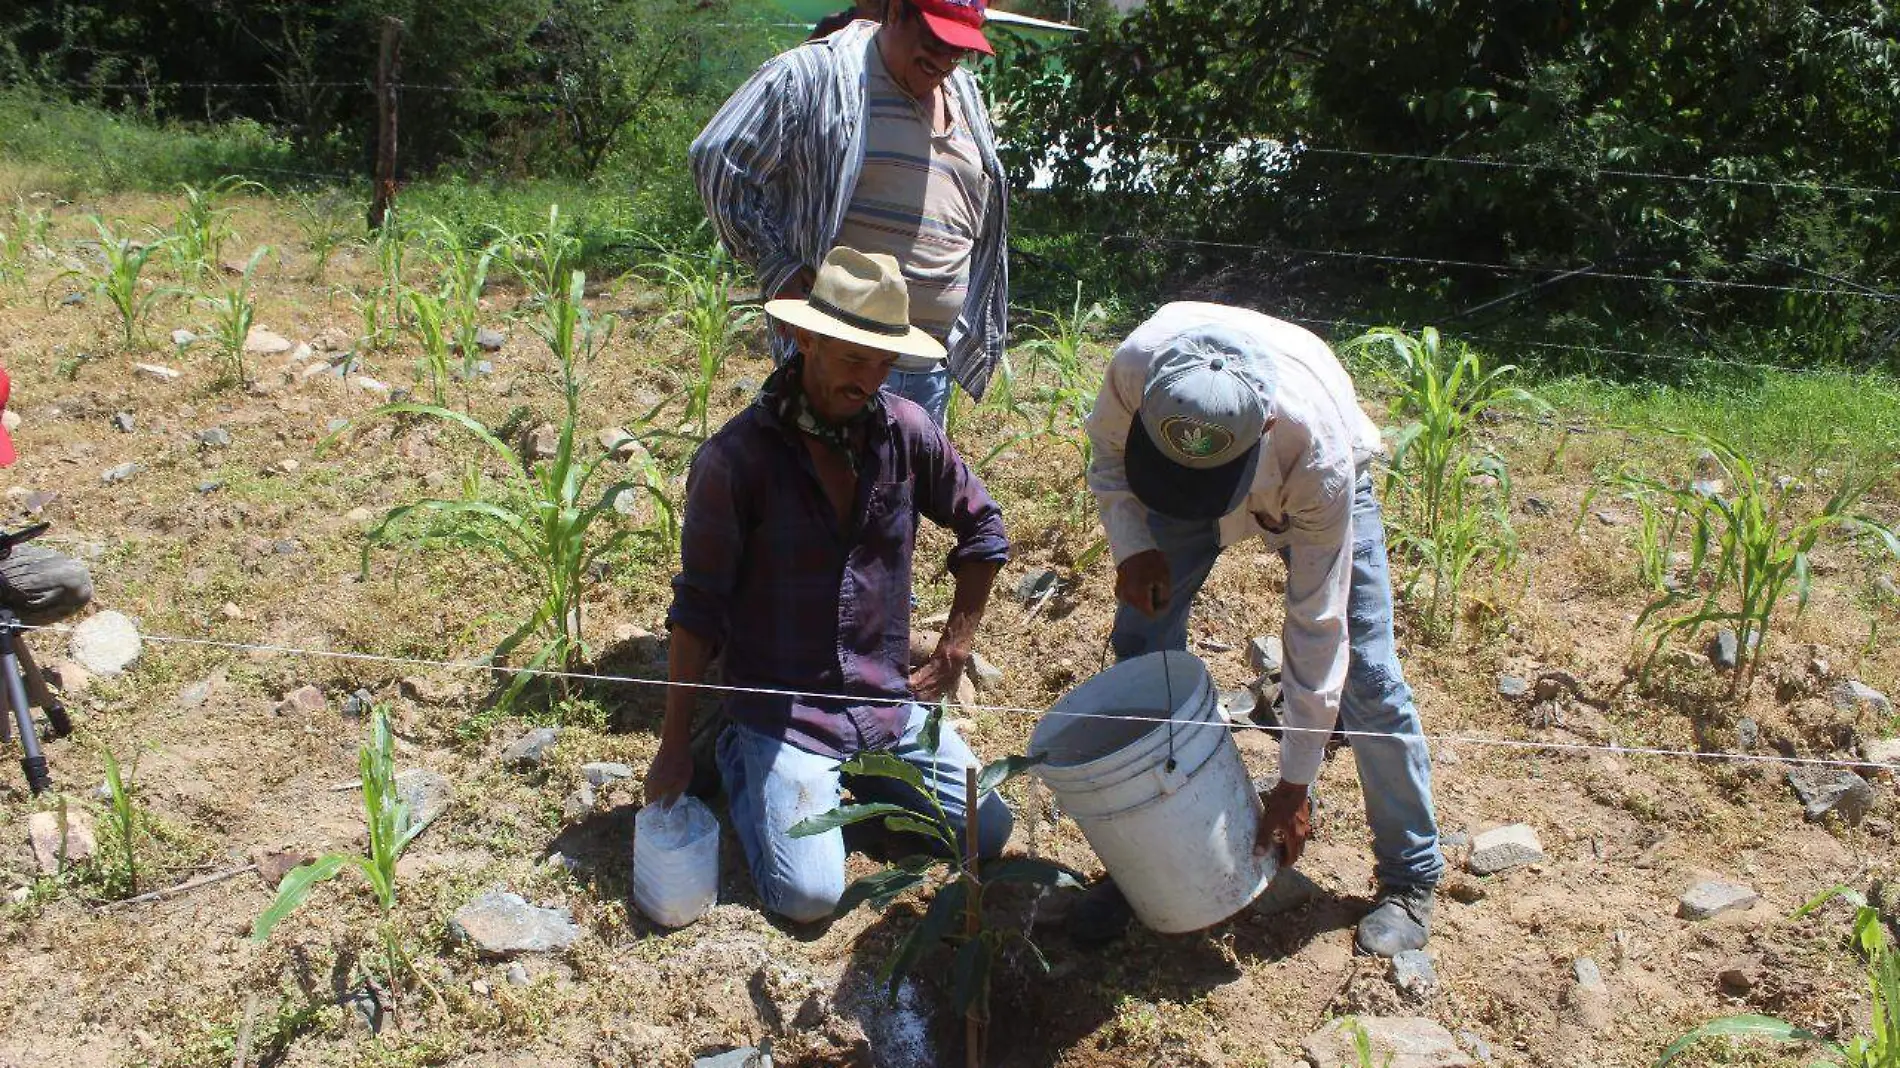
8	539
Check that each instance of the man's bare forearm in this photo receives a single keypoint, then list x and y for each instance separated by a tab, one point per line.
974	581
687	655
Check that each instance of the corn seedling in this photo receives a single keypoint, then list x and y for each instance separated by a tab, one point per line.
1474	528
233	311
390	832
122	282
464	274
325	223
1880	1048
126	818
948	865
542	523
428	325
1756	549
199	232
1052	394
542	259
702	283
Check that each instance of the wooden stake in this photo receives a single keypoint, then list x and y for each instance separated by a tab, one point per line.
242	1056
388	63
181	888
972	920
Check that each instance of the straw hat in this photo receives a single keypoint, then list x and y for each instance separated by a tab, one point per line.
861	299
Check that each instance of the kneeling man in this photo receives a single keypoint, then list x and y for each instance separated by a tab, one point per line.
801	520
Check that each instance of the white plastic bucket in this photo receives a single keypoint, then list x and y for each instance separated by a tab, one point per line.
1178	839
675	861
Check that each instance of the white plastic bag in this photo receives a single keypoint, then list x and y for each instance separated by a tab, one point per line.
675	861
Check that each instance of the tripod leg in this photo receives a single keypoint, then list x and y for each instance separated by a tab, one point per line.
32	762
40	694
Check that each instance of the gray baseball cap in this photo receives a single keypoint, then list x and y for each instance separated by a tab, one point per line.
1195	440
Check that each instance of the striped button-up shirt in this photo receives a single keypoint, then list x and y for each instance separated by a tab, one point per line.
778	164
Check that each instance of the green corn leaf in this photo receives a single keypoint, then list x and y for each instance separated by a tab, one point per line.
998	772
1031	870
845	815
296	886
972	984
1745	1027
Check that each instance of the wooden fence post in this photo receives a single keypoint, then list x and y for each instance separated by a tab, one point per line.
388	63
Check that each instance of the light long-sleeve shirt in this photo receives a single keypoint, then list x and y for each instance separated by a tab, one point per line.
778	165
1300	501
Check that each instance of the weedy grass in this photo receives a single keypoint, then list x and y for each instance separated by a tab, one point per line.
390	830
1053	393
325	221
126	817
1756	546
202	227
1879	1048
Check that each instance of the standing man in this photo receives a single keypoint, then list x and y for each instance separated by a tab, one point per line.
1217	424
874	138
801	520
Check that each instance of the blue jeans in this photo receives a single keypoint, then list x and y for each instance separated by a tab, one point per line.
1395	773
773	784
929	390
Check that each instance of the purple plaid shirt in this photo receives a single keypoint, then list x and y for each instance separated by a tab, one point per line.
797	603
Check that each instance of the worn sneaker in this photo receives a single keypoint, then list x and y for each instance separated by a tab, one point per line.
1401	919
1100	917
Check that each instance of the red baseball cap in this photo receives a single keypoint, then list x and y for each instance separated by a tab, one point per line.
957	23
6	439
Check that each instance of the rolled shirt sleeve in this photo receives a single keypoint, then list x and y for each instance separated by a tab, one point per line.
712	541
1124	517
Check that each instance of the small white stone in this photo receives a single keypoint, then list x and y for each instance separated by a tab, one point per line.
369	385
106	644
157	371
262	342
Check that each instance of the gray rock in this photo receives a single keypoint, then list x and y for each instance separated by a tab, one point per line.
517	975
484	367
620	444
744	1057
1397	1042
1888	589
210	485
157	372
1609	519
1264	655
38	501
51	849
1824	790
105	644
1536	506
1852	695
427	793
985	674
182	337
1215	645
579	804
264	342
358	704
531	749
1238	705
1476	1045
1706	900
1414	975
501	924
335	426
195	695
1724	649
603	773
72	300
1589	976
1036	584
124	423
1707	488
540	443
119	474
1513	686
745	387
489	340
1503	848
1747	734
215	438
1881	751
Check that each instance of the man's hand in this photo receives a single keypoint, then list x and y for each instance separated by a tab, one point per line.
937	677
670	773
1288	820
1143	582
797	287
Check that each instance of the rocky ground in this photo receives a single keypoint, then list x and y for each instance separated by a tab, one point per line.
1600	903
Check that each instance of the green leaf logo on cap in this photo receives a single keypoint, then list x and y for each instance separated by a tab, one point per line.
1195	438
